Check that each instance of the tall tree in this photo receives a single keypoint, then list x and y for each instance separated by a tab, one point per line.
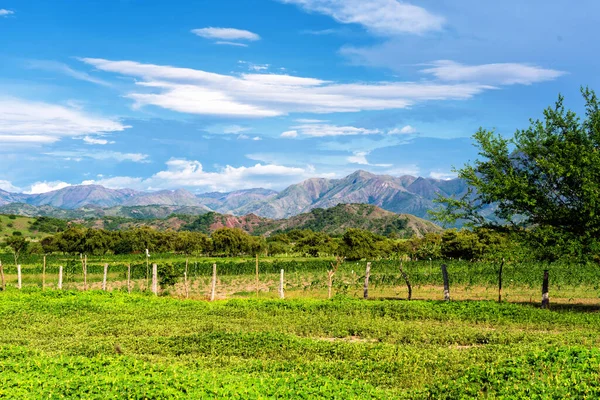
545	178
18	245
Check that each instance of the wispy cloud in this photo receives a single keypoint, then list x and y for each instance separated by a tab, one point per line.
227	36
27	122
380	17
267	95
5	13
405	130
442	175
91	140
8	186
491	74
78	155
191	174
360	157
54	66
236	129
322	130
289	134
227	43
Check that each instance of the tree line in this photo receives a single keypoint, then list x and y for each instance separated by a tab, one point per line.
354	244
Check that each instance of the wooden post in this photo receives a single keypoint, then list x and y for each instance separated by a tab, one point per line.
446	283
500	282
185	280
405	276
155	279
545	297
128	278
281	293
60	277
256	274
213	286
19	276
367	275
104	277
330	273
44	274
84	264
148	269
2	276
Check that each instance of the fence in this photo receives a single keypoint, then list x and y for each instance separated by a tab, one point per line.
201	278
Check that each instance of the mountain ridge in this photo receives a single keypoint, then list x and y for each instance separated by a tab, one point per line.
404	194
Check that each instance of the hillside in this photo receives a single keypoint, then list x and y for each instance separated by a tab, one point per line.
334	221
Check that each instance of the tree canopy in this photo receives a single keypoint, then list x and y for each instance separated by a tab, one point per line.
543	182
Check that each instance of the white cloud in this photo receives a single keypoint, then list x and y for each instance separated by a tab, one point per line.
255	67
322	130
28	122
405	130
491	74
442	175
267	95
101	155
227	43
235	129
91	140
256	138
188	173
400	170
5	13
289	134
380	17
9	187
44	187
54	66
360	157
226	34
310	121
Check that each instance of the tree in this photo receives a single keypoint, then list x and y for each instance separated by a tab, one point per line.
18	245
544	181
358	244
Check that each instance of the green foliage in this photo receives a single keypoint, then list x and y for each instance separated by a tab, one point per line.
544	178
202	223
48	225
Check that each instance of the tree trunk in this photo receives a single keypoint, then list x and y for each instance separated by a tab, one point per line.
405	276
545	284
446	282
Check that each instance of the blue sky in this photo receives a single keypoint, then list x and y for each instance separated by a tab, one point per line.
233	94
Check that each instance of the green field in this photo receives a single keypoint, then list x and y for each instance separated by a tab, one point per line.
114	345
14	223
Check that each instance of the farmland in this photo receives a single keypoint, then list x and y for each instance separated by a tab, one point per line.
95	344
101	345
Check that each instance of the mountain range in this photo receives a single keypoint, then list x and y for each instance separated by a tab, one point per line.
404	194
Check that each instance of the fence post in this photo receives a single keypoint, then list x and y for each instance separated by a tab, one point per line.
213	286
44	274
84	263
405	276
545	297
104	277
500	282
256	274
446	283
155	279
2	276
60	277
185	279
19	276
128	278
367	275
281	293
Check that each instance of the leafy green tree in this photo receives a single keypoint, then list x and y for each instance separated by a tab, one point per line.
18	245
229	241
314	243
544	181
357	244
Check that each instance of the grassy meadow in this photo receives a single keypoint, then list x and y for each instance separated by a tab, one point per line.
116	345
